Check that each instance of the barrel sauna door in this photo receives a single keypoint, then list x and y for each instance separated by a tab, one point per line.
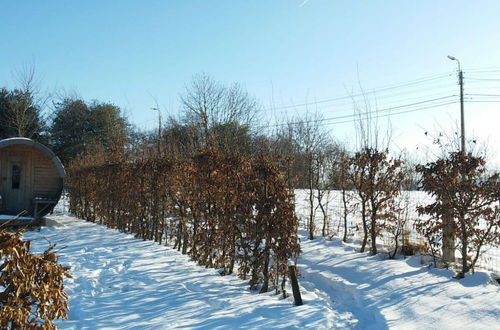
18	178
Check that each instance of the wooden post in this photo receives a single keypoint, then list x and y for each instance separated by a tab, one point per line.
295	286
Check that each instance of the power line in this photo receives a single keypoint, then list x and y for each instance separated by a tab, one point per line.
477	88
386	101
391	87
433	103
483	79
397	113
369	112
389	101
482	101
383	115
363	93
492	70
484	95
331	101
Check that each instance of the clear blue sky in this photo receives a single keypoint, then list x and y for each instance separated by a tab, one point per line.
284	52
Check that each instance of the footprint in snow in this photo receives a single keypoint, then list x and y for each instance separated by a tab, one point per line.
216	303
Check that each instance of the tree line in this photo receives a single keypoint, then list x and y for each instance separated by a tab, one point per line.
224	118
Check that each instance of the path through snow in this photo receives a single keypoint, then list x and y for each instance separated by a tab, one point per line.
397	294
124	282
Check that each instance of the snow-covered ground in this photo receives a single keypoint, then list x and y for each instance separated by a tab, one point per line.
488	260
124	282
398	294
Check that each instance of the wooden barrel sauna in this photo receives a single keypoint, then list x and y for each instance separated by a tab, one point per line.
31	178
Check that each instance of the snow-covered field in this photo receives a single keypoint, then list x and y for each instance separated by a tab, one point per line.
490	255
398	294
124	282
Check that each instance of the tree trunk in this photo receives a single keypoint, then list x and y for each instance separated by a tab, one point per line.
185	242
373	230
325	217
448	247
465	241
344	201
265	271
311	212
295	286
365	227
311	201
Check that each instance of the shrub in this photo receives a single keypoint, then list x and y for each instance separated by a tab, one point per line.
461	187
32	285
224	211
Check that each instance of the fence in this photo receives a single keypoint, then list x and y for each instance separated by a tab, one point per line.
490	255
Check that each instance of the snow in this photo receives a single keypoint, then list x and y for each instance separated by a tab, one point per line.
398	294
490	255
123	282
120	281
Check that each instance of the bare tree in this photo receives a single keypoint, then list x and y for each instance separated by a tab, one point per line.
341	178
24	116
397	222
219	112
325	161
376	178
311	138
285	144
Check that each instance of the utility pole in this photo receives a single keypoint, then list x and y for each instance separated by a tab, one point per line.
462	118
448	246
159	129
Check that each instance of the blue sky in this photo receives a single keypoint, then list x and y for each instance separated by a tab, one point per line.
283	52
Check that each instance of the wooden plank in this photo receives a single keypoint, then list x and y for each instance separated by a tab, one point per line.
22	223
